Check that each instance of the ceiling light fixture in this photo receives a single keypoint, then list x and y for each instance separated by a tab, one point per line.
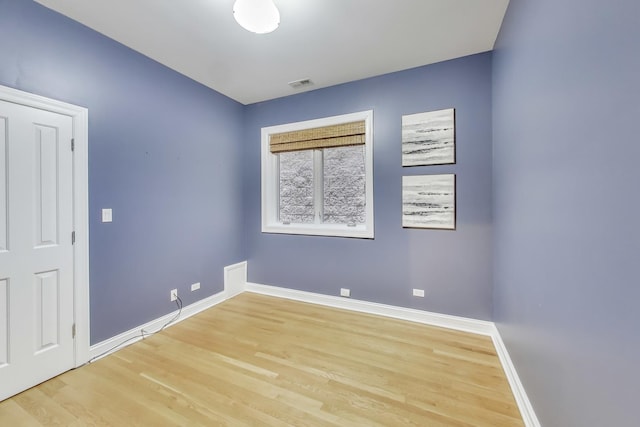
257	16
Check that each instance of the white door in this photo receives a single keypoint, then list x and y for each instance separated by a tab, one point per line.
36	250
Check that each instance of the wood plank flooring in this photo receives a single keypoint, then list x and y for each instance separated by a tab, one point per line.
263	361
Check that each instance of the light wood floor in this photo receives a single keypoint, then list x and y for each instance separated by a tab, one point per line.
257	360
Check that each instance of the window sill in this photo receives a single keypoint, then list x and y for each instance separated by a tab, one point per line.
329	230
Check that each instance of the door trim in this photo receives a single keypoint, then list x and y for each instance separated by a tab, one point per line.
80	118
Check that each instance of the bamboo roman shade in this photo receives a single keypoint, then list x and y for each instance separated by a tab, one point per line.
340	135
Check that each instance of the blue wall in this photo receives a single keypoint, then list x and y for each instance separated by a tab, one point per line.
567	240
163	153
454	267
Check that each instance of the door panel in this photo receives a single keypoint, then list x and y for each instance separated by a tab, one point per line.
36	266
46	303
46	181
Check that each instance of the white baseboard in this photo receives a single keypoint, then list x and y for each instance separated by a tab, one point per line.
419	316
520	395
235	277
131	336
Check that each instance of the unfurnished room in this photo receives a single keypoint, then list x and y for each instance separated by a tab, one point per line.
319	213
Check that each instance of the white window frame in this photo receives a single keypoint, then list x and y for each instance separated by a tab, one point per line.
270	181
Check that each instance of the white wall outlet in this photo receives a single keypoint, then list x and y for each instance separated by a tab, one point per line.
344	292
195	286
107	215
418	293
174	294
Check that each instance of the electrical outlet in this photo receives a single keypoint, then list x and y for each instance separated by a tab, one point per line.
195	286
418	293
107	215
174	294
344	292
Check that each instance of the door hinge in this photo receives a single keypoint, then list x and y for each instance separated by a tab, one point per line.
73	237
73	331
73	144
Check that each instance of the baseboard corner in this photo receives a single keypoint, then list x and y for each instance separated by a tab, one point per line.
520	395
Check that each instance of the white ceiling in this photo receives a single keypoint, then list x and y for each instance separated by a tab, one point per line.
328	41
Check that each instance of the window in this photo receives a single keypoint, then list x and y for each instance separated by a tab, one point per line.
317	177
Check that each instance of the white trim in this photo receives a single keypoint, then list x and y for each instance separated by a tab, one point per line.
79	116
133	335
81	219
520	395
269	181
332	230
232	285
464	324
480	327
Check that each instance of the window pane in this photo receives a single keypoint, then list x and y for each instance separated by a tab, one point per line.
296	187
344	185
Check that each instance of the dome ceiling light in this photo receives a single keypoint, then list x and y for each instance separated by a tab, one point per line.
257	16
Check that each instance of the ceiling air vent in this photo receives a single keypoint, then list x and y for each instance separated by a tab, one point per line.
296	84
